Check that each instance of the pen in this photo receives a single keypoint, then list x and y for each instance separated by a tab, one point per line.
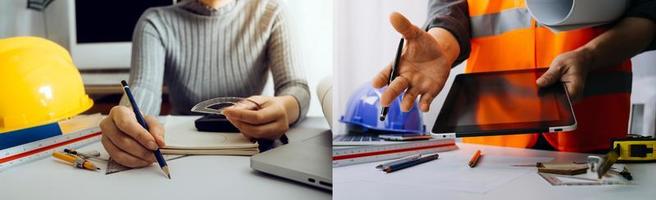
393	74
402	160
158	155
411	163
75	161
474	160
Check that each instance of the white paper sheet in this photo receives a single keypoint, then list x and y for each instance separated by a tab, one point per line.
449	172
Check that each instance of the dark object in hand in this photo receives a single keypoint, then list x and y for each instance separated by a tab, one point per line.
215	123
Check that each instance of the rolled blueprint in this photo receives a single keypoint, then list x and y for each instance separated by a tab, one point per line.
564	15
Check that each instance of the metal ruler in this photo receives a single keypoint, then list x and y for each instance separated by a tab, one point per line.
356	155
43	148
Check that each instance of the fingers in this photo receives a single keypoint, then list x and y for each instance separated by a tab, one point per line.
262	116
575	88
395	88
381	79
269	122
121	157
155	129
552	75
125	120
425	101
262	131
124	142
403	26
409	99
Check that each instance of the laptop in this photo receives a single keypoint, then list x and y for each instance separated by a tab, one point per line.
306	161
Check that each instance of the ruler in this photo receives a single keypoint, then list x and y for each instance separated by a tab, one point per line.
43	148
366	154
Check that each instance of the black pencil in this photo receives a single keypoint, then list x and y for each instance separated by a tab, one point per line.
393	74
158	155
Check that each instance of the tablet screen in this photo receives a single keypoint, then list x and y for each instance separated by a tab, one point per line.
508	102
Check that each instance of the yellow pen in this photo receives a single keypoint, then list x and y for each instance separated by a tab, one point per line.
76	161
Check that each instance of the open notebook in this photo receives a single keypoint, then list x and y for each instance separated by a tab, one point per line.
182	137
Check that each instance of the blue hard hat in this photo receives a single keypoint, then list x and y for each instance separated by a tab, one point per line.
363	110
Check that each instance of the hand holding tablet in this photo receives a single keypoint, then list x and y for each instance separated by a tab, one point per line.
507	102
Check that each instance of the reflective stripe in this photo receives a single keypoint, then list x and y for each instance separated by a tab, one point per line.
498	23
607	83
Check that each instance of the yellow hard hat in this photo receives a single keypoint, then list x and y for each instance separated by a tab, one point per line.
39	84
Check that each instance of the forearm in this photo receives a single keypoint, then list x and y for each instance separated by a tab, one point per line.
625	40
453	17
147	69
448	43
288	76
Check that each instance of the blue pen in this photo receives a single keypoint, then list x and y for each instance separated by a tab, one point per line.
411	163
142	121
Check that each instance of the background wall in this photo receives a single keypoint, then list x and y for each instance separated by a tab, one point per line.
365	42
312	20
16	19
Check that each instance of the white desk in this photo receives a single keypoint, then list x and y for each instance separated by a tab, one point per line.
193	177
372	184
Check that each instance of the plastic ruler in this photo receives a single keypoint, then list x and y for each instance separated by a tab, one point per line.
366	154
43	148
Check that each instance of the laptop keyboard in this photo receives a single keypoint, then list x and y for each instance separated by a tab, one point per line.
357	138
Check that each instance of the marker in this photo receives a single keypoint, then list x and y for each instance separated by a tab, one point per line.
393	74
75	161
474	159
158	155
411	163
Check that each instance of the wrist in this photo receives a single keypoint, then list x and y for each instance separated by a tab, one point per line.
291	107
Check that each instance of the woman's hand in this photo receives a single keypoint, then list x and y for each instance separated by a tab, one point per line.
571	68
270	121
126	141
424	65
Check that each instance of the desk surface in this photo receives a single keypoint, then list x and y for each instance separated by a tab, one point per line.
364	182
193	177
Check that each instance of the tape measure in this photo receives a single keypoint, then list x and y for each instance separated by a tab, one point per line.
635	148
356	155
44	148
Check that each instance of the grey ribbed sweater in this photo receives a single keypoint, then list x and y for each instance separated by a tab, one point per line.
202	53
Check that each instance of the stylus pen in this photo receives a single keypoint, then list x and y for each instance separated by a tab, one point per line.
393	74
415	162
142	122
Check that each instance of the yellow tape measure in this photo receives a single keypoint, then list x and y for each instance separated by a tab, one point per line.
635	148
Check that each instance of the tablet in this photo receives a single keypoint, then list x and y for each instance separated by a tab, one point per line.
506	102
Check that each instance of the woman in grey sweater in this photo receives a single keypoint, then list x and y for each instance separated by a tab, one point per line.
203	49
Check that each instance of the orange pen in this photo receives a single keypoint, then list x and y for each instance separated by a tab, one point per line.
75	161
474	160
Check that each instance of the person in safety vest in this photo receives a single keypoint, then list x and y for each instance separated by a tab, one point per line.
498	35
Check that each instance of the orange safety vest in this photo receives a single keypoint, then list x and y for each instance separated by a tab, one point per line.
505	37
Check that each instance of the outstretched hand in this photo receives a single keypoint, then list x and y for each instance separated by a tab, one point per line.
424	65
